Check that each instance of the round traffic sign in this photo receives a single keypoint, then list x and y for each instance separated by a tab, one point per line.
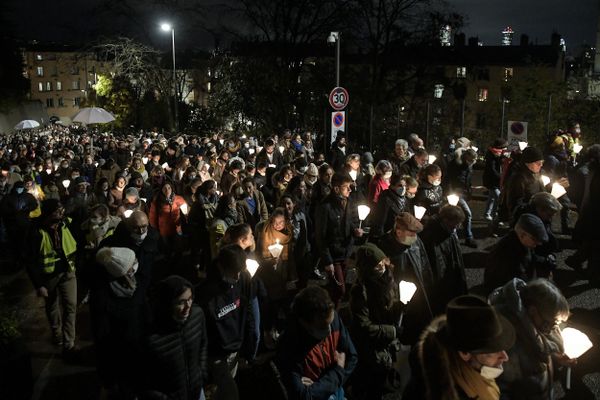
338	98
338	119
517	128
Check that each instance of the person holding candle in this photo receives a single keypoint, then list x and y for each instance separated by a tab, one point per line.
535	309
352	168
336	227
460	171
275	247
492	173
556	167
131	202
394	200
380	182
115	194
376	309
430	193
525	179
165	215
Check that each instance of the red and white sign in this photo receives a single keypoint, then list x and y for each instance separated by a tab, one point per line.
338	123
338	98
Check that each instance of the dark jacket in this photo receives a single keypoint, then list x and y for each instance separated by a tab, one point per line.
277	158
337	157
510	259
410	167
175	359
492	171
521	185
529	370
229	318
429	196
411	264
389	205
448	269
300	355
335	229
260	212
588	222
458	178
15	210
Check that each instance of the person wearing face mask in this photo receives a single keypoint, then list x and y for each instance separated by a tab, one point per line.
376	309
226	298
535	309
492	173
393	201
557	167
98	226
410	263
380	182
445	256
315	355
174	363
430	193
50	259
462	352
310	178
415	163
458	182
117	310
514	255
225	215
337	153
524	180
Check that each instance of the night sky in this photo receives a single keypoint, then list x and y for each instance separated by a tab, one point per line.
63	20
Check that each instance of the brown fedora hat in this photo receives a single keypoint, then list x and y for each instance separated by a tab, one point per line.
474	326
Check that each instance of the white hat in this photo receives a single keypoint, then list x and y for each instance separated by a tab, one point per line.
116	260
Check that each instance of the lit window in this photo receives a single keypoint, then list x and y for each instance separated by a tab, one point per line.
39	57
461	72
40	86
61	102
482	94
438	91
50	103
508	74
58	85
48	86
208	87
75	85
40	71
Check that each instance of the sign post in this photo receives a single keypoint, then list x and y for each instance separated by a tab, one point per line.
338	99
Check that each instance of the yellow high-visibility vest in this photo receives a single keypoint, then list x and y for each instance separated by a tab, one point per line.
48	254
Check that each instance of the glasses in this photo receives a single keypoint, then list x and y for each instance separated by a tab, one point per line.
184	302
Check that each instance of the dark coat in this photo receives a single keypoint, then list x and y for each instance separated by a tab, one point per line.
300	355
492	171
458	178
529	370
334	229
389	205
410	167
588	222
411	264
510	259
277	158
175	359
337	158
260	213
447	266
429	196
521	185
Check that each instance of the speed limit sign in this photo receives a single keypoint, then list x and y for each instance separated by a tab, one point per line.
338	98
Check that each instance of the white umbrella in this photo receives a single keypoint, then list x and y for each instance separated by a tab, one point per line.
93	115
26	124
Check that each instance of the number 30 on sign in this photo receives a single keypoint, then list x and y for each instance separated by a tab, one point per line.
338	98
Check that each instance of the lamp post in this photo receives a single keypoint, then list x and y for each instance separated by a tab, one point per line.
166	28
334	37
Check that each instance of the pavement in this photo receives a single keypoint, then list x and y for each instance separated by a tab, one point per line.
56	379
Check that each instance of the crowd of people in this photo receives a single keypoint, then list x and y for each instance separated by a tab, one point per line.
200	257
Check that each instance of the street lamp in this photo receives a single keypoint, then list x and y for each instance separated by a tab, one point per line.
166	28
334	37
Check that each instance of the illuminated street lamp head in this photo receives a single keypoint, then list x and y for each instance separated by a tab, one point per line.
333	37
166	27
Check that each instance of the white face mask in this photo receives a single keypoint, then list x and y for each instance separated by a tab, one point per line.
437	182
409	240
387	175
139	238
491	372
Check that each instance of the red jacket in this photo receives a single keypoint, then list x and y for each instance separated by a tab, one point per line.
166	218
376	186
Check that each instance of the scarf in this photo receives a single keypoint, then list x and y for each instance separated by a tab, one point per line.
270	236
495	151
124	289
471	382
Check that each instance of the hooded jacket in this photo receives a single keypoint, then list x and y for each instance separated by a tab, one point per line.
389	205
429	196
528	373
334	229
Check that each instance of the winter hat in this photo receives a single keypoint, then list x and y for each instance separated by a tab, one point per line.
368	256
463	142
499	143
531	154
49	206
533	225
80	180
312	170
406	221
474	326
116	260
131	192
135	175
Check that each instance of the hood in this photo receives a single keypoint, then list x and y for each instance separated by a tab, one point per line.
508	298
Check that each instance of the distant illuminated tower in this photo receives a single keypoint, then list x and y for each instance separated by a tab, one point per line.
445	34
507	36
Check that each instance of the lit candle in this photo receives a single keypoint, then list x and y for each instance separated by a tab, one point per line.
407	291
576	343
272	166
96	164
145	160
363	212
66	183
127	213
251	266
577	148
353	174
165	165
184	208
545	180
475	149
452	199
251	151
431	159
143	199
48	171
558	190
275	249
281	149
419	212
522	145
